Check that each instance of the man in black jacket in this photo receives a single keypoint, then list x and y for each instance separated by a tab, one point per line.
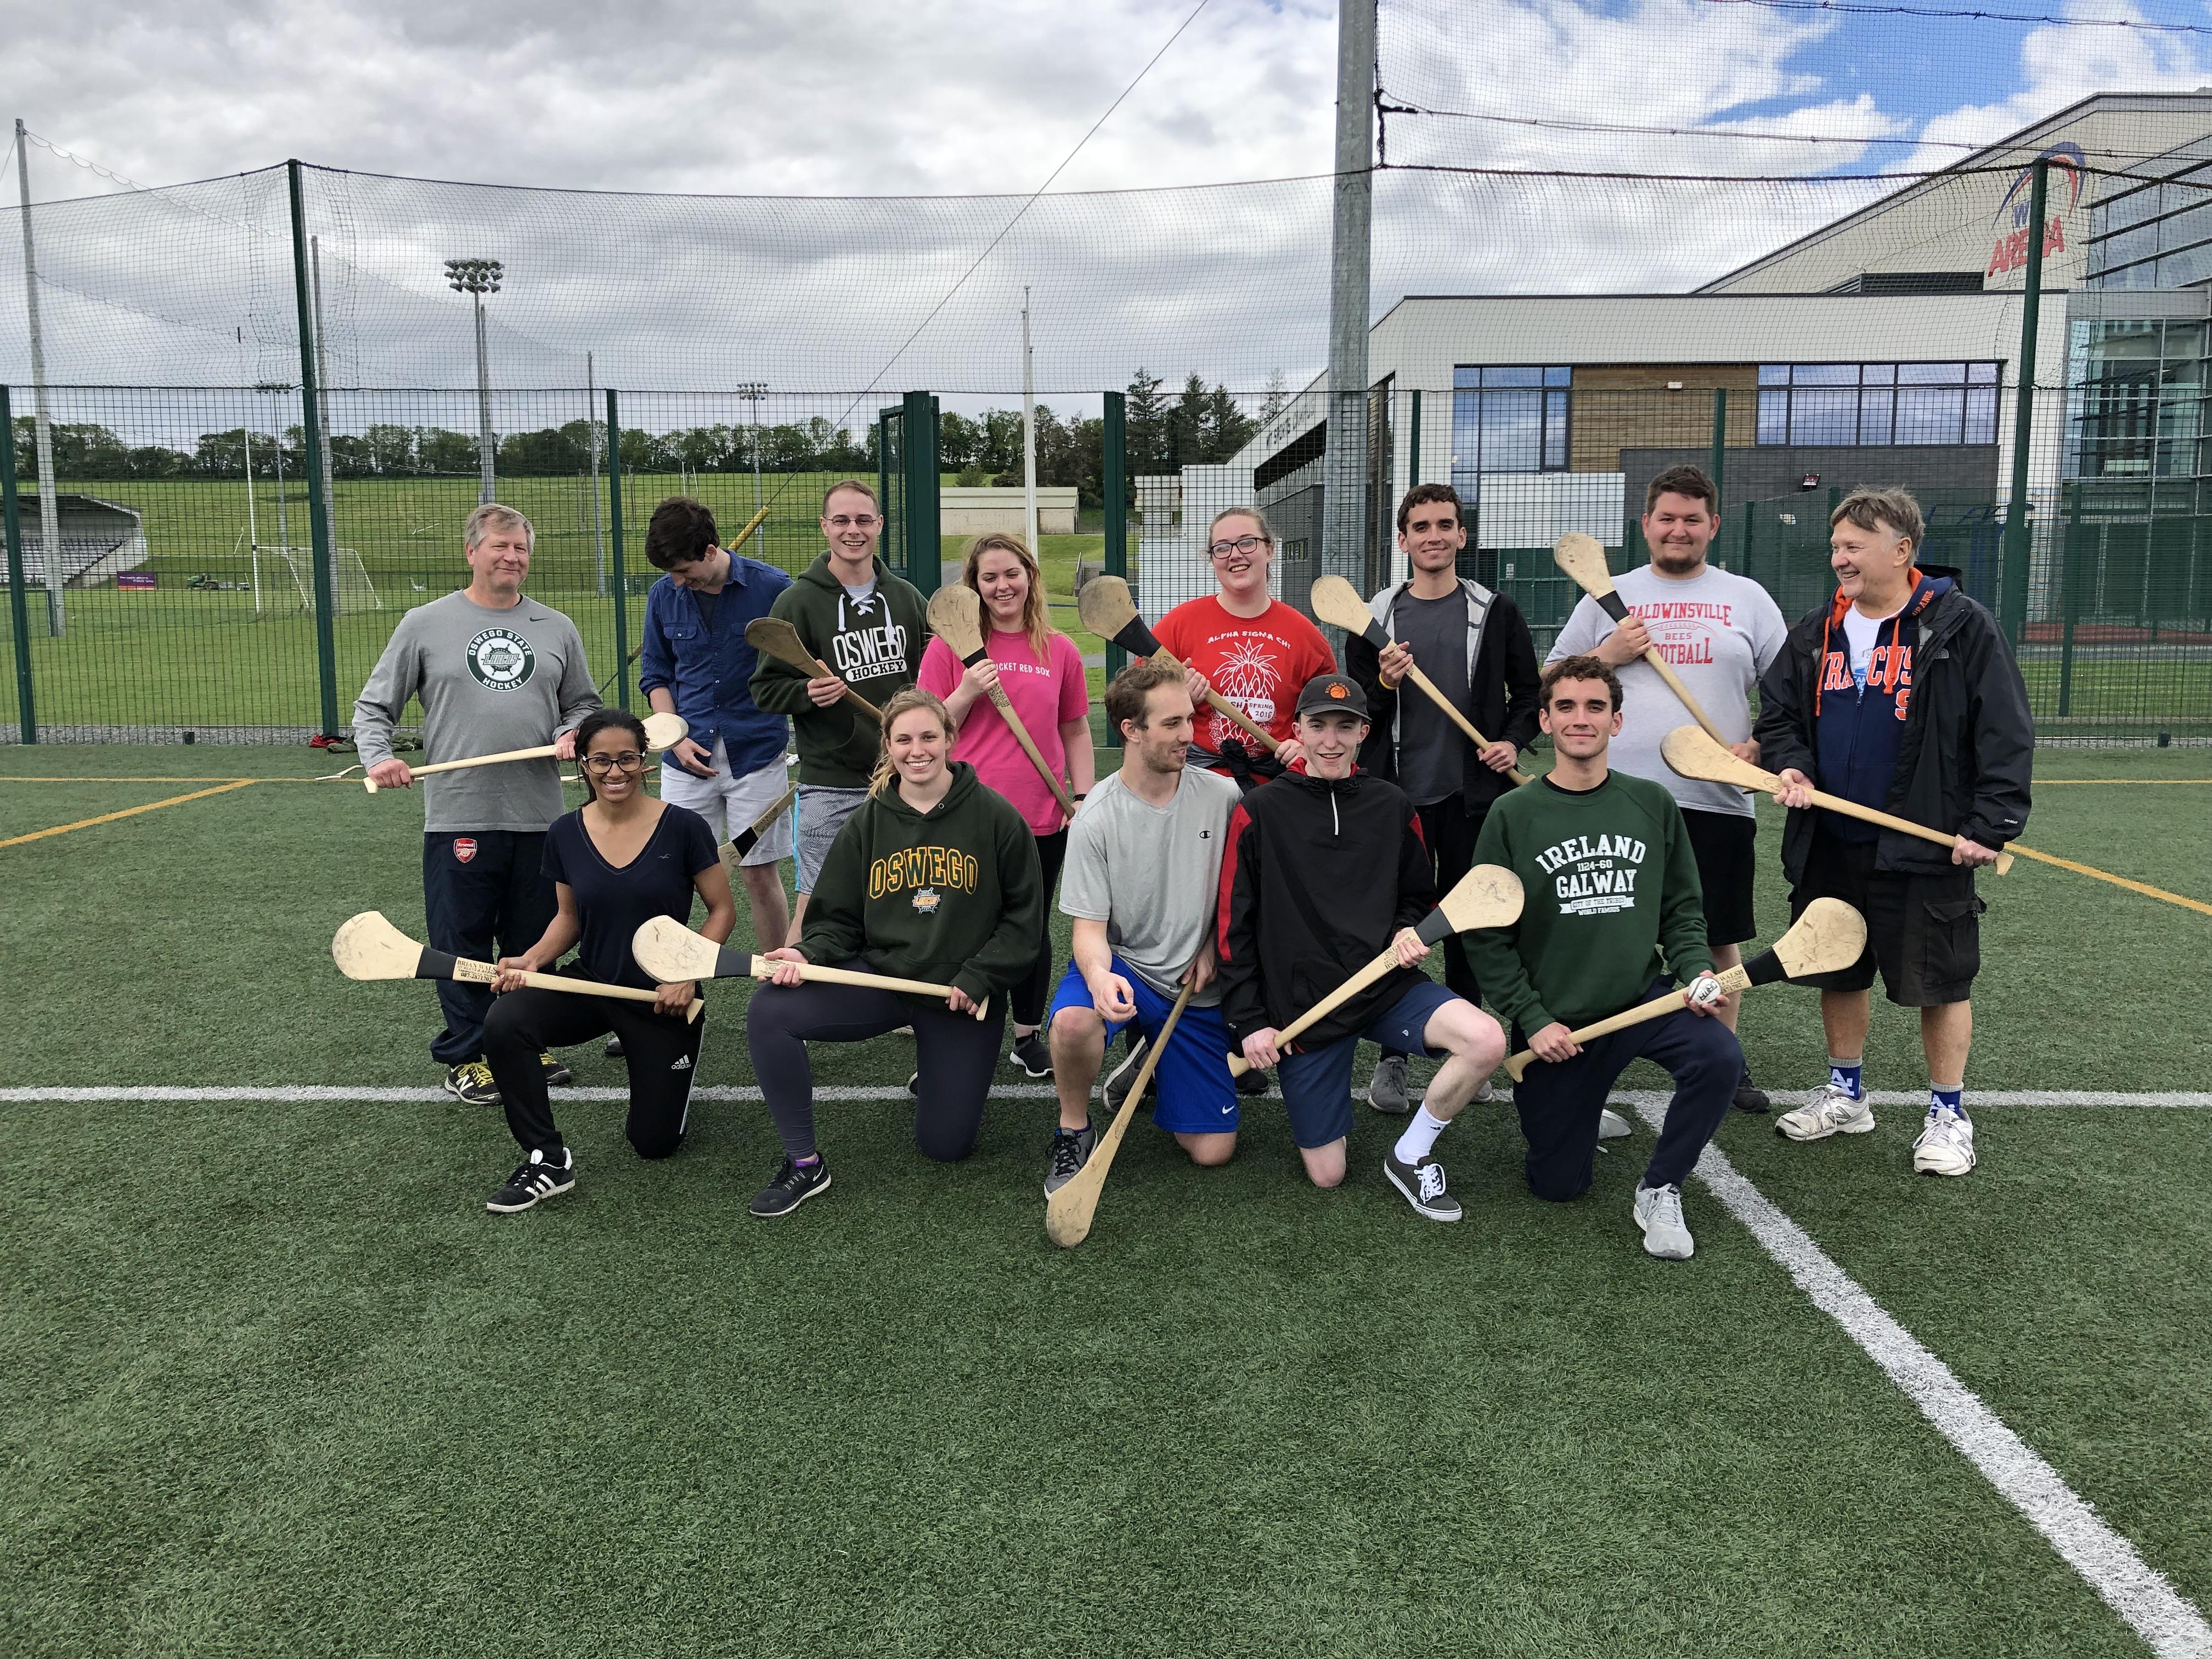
1324	870
1474	645
1900	695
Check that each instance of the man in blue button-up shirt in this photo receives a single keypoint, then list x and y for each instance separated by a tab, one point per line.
696	663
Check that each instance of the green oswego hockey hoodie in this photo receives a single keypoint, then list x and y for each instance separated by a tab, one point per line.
1610	884
875	644
955	895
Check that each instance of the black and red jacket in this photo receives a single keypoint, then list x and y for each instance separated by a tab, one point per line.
1317	878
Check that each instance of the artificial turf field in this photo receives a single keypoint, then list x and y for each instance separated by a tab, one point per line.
272	1382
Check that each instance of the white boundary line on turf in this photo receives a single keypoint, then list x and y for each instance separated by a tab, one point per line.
2110	1564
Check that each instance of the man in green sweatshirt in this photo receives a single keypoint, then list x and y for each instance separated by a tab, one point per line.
870	626
1613	916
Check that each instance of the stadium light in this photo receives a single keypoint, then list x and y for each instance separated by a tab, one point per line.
476	278
752	391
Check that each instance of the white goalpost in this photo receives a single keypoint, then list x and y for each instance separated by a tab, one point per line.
351	587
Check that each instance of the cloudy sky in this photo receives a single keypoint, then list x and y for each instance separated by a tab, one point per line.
844	99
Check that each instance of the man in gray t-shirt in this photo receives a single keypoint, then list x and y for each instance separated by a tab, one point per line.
494	671
1142	882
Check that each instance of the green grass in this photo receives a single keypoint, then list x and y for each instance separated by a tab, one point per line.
271	1381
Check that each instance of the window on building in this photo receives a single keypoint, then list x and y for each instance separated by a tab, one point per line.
1859	404
2135	402
1510	418
2157	233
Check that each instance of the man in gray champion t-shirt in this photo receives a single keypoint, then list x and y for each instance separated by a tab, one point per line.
494	671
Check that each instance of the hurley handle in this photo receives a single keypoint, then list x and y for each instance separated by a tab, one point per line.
1414	674
1068	1212
1328	1005
544	752
1732	979
1613	606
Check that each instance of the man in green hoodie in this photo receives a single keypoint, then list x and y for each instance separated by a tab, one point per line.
870	626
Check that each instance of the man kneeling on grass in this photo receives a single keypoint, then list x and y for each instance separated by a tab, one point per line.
1324	870
1611	885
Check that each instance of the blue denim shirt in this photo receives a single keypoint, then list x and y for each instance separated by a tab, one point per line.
710	670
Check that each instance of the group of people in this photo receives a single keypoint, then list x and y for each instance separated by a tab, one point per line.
1217	889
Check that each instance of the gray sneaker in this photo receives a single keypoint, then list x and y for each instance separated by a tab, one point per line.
1070	1151
1423	1185
1119	1079
1831	1112
1659	1213
1386	1091
1611	1125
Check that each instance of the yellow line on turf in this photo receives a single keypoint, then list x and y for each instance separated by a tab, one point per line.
2147	891
128	812
185	778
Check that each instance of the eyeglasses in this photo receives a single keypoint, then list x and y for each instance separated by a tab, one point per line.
857	521
628	761
1248	545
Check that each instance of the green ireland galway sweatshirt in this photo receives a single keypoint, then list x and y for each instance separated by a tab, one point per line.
874	645
955	896
1610	888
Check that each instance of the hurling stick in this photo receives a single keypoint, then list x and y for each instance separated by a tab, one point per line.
1067	1212
369	947
1830	935
955	615
1694	755
733	850
1583	559
661	731
1107	610
1336	602
671	952
780	640
1488	895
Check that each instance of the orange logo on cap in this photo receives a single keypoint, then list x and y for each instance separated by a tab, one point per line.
1336	689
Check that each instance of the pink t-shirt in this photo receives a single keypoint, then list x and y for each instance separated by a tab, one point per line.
1044	694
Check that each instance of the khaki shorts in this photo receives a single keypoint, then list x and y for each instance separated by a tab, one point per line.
822	814
730	804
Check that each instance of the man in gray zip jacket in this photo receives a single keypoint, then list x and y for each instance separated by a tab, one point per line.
495	671
1474	645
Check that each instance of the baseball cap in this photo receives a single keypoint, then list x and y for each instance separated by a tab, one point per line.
1332	694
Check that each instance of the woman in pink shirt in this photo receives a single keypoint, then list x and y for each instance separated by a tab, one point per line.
1041	672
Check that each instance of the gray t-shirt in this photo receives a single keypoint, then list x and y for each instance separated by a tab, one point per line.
1432	753
1152	871
489	681
1718	631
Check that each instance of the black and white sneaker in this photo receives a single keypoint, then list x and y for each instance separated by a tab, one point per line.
1749	1096
1070	1151
614	1048
1031	1054
471	1084
794	1185
556	1071
533	1180
1120	1080
1423	1184
1252	1083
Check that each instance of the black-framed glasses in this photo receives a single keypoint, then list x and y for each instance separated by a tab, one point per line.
628	761
857	521
1248	545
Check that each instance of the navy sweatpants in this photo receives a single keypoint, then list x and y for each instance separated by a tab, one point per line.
1558	1104
486	896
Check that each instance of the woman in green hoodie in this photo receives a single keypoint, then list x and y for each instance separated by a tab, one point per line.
934	877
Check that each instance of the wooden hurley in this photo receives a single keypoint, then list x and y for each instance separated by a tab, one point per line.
1067	1212
369	947
1336	602
1108	611
1488	895
1830	935
733	850
775	637
955	615
1583	558
1695	755
661	731
671	952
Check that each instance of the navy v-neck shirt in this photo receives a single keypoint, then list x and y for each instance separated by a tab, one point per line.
612	903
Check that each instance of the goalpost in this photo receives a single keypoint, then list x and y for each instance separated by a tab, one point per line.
351	587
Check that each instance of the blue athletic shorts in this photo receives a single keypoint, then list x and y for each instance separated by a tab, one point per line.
1318	1082
1192	1090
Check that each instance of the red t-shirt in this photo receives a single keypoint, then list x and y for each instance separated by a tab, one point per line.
1259	663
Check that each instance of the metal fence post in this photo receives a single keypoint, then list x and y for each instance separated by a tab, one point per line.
615	550
1719	467
2068	551
19	609
1749	568
2014	599
319	505
1114	484
917	450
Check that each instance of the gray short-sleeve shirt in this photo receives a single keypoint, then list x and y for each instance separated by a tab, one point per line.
1152	871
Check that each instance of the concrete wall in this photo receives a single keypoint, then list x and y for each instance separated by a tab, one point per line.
976	511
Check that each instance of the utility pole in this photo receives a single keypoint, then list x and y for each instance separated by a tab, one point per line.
1344	528
2012	605
50	521
1028	432
477	277
752	391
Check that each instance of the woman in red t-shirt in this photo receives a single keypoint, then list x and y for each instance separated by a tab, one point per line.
1243	642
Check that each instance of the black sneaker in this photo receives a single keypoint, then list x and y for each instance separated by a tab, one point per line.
792	1186
1423	1184
533	1180
1070	1151
1749	1096
1386	1090
1031	1054
557	1072
614	1048
1123	1077
471	1084
1254	1082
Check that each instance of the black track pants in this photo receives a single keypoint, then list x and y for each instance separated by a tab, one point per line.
661	1050
1028	997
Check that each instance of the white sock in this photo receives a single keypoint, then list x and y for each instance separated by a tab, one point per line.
1420	1137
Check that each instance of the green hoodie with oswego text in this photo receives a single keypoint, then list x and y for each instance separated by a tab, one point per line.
874	645
954	895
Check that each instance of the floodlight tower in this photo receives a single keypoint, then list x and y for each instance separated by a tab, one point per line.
752	391
476	278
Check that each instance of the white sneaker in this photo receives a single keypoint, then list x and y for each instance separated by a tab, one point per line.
1946	1146
1486	1093
1831	1112
1659	1213
1611	1125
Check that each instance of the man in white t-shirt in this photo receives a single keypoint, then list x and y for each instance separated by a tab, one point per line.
1719	632
1141	880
